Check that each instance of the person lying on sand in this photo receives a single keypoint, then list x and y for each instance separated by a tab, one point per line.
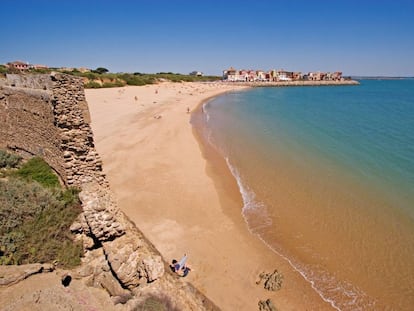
180	267
174	265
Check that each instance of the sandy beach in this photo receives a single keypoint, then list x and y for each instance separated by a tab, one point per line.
182	195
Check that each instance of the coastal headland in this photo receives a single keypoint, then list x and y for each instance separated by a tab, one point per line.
181	194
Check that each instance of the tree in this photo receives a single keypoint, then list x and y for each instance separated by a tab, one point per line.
100	70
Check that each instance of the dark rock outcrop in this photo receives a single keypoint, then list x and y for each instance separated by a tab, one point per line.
266	305
272	281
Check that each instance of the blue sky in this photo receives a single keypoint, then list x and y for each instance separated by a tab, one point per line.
357	37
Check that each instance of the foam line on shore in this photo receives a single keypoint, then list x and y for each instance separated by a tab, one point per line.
348	296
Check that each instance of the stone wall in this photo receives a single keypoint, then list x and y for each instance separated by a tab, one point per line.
47	115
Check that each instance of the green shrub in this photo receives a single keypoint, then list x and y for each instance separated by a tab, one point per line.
34	224
20	201
8	160
92	85
90	75
100	70
38	170
70	196
116	83
160	302
3	69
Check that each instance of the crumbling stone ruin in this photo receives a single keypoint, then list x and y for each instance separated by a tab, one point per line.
47	115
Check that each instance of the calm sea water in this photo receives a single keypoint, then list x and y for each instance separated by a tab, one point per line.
327	179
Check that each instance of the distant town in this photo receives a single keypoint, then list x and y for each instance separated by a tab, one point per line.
236	75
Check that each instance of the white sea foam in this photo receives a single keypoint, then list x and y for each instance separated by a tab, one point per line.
340	295
205	112
250	203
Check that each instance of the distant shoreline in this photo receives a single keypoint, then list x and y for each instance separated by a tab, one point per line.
380	78
293	83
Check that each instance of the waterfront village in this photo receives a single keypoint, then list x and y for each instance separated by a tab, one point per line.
236	75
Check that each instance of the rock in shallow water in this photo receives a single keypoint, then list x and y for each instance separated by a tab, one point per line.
272	281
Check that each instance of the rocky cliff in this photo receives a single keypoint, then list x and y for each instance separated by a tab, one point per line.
47	115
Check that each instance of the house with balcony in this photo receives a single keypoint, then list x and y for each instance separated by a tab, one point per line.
230	74
261	75
19	65
283	75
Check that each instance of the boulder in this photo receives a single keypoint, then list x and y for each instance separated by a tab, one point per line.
266	305
152	268
131	263
272	281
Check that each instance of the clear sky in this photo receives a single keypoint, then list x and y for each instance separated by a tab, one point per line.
364	37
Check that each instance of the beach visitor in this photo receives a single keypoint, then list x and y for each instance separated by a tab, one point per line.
186	271
181	263
180	267
174	266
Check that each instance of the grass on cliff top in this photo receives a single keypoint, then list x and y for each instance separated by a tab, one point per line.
35	216
36	169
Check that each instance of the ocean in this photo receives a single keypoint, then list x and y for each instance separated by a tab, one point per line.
327	179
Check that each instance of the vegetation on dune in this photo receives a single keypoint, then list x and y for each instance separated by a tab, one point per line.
102	78
98	79
35	216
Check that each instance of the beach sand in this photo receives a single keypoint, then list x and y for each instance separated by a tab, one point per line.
182	196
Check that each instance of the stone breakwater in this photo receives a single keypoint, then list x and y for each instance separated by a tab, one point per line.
47	115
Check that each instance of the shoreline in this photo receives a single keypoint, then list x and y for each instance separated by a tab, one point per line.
183	197
221	173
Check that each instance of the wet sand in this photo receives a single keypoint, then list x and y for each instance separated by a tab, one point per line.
182	195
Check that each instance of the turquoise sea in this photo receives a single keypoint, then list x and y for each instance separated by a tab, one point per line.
327	179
